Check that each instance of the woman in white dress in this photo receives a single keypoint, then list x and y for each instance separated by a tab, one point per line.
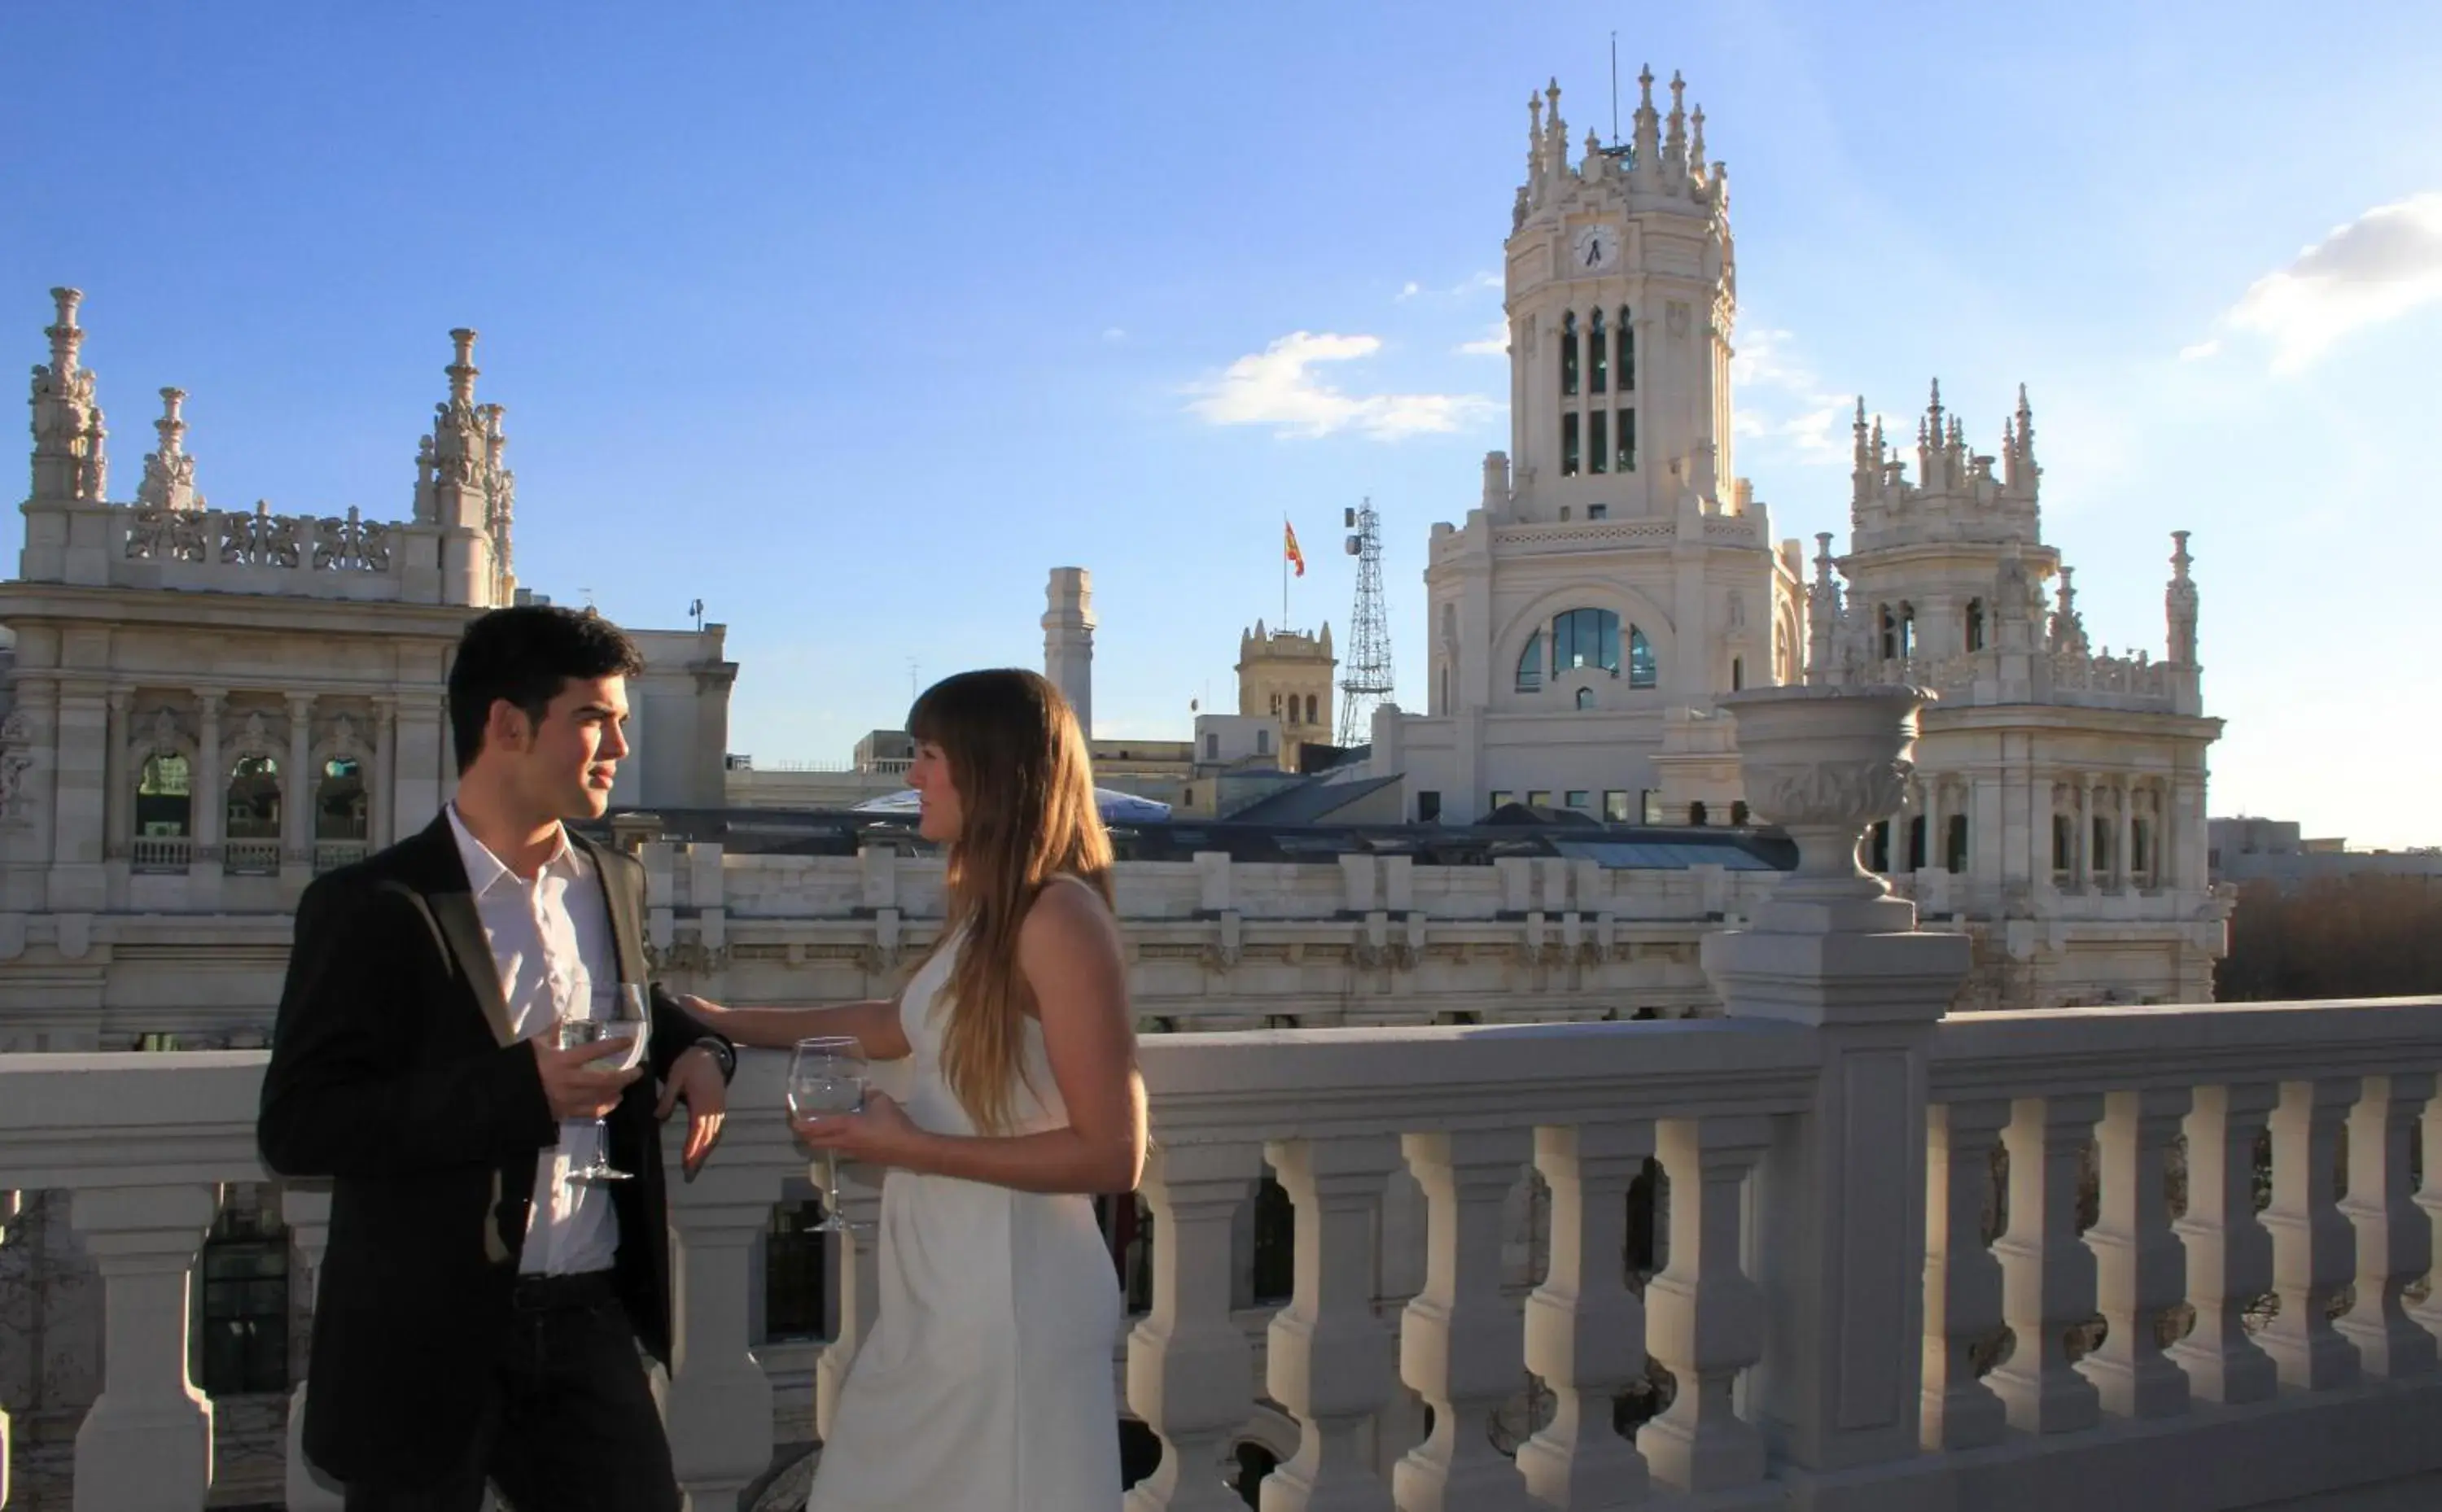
986	1383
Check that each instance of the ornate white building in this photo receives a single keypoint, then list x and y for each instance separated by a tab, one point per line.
1610	587
1612	577
206	707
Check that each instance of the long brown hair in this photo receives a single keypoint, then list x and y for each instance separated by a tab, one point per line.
1025	791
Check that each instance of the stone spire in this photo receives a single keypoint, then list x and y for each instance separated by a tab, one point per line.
461	485
2179	603
2069	626
1069	640
502	487
1674	146
1865	465
1822	612
70	462
1648	131
1555	131
2021	469
169	472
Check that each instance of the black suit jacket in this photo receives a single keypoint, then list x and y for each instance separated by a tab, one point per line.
393	1072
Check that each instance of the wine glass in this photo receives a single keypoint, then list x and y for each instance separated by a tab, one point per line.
618	1014
826	1076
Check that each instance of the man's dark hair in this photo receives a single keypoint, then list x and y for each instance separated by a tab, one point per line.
526	655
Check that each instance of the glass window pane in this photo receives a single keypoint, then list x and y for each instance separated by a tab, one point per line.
1599	441
1530	664
1627	353
1597	357
1569	444
1578	798
1624	459
1569	355
1615	804
1640	659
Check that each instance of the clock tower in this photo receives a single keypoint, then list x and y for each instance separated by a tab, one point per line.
1616	576
1621	293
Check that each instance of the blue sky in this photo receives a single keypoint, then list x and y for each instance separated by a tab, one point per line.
855	321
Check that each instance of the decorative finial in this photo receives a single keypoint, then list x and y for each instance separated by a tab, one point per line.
2180	561
462	371
1645	86
1696	144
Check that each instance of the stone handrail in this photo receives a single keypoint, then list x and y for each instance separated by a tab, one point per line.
1886	1394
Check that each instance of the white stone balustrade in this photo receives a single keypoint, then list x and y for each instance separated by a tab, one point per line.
145	1142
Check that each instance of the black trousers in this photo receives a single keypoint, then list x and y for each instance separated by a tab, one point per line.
574	1430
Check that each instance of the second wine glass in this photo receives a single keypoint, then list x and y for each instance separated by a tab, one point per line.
827	1075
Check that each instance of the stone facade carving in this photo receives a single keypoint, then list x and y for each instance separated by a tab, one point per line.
1824	794
16	760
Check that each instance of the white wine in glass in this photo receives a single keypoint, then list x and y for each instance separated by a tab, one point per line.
619	1013
826	1076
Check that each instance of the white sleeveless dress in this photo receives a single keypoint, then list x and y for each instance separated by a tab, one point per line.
986	1384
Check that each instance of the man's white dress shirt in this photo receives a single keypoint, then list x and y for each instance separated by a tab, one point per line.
551	945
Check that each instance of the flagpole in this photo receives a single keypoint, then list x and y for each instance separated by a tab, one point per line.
1285	572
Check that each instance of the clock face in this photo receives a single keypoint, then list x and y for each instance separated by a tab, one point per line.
1595	249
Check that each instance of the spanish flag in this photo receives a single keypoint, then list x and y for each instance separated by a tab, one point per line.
1296	556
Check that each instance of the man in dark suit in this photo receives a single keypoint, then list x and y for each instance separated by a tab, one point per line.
479	1313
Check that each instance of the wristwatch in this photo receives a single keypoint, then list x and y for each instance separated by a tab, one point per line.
723	1054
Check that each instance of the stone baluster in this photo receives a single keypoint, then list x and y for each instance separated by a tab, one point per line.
1191	1373
2394	1243
2046	1270
306	1211
1962	1279
2314	1250
1585	1330
1705	1317
718	1407
2230	1255
2428	1312
297	785
146	1446
2144	1267
854	1261
1459	1344
1329	1361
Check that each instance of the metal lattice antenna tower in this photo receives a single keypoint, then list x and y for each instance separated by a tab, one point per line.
1368	681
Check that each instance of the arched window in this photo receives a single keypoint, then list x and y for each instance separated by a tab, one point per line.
1738	673
1597	358
1569	355
1585	638
1641	670
1697	813
1907	630
2063	845
1955	846
1310	717
1626	364
1585	698
1530	664
340	801
254	799
164	800
1276	705
1975	625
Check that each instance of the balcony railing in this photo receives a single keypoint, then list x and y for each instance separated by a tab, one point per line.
1829	1310
329	855
160	852
250	858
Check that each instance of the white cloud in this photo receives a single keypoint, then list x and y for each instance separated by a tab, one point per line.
1114	335
1279	387
2200	351
1411	289
1471	284
1493	344
1781	400
2378	267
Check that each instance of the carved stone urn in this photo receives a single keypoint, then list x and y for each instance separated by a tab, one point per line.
1824	763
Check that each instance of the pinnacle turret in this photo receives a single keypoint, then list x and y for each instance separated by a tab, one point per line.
169	472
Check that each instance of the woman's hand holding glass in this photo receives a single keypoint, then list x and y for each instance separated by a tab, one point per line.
827	1085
